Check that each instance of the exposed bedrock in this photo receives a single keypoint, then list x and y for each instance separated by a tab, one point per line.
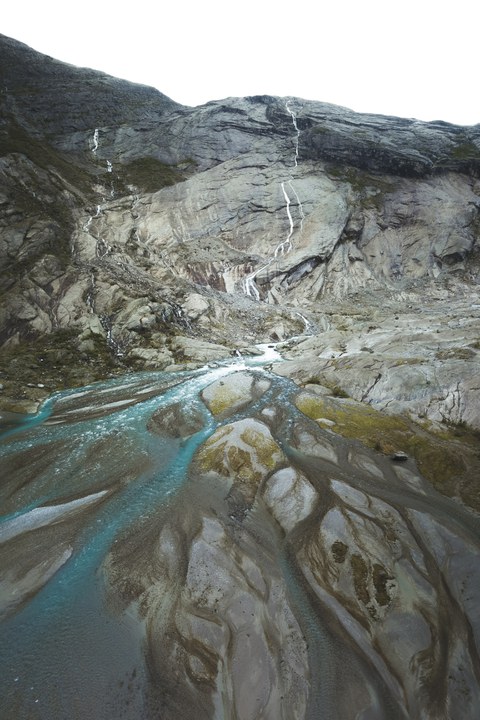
292	522
321	557
139	222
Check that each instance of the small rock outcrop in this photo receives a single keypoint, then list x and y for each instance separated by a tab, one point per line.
226	396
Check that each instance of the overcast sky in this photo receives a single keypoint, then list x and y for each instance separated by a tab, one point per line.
415	58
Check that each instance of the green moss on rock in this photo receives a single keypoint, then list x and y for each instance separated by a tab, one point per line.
243	451
225	397
447	460
33	369
266	449
360	578
150	174
339	551
381	578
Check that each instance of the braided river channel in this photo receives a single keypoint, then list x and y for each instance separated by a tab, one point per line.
204	544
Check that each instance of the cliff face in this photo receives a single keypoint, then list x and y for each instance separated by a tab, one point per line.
265	549
134	231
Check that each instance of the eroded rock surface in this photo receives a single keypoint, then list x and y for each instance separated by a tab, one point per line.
226	396
141	234
278	565
213	541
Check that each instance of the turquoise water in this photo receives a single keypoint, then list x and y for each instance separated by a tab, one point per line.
63	649
65	652
87	473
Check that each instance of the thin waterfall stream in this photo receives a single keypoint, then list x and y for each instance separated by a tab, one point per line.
284	246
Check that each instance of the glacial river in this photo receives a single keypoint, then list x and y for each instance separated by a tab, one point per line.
92	494
81	471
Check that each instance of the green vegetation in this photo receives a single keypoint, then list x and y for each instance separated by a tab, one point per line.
225	398
465	156
150	174
449	460
370	188
41	203
265	448
339	551
360	578
53	362
466	151
15	139
320	130
337	391
456	354
248	464
380	581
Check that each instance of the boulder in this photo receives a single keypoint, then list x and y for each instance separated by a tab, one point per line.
225	396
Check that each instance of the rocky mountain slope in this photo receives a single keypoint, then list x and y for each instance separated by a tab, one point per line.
138	233
219	541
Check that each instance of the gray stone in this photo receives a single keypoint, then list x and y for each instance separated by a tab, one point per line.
227	395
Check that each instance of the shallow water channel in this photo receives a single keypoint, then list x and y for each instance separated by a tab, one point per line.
95	505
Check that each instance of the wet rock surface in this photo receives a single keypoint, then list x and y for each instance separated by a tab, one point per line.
246	555
199	536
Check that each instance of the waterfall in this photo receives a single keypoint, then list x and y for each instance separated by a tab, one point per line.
294	121
285	246
111	342
90	297
95	141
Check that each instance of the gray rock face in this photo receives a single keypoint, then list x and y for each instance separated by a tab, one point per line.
125	212
137	234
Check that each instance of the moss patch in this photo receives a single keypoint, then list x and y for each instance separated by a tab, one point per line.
456	354
385	433
224	399
339	551
370	188
381	578
241	453
450	460
53	362
15	139
150	174
466	151
266	448
360	578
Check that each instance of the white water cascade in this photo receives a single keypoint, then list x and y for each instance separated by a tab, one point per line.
91	217
95	141
285	246
294	121
95	144
102	248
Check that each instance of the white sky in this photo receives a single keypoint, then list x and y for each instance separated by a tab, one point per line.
415	58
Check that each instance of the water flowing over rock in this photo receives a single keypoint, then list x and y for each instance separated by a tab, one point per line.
258	568
139	221
239	406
